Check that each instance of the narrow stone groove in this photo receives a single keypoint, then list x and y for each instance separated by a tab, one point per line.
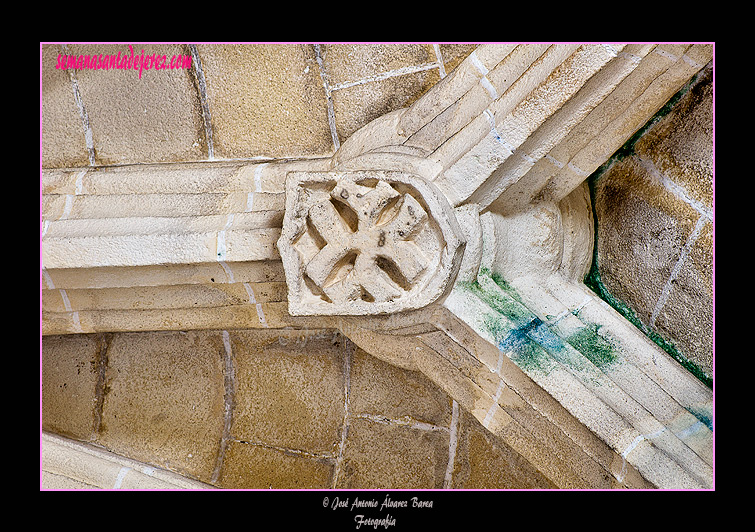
88	137
406	421
326	86
385	75
229	381
287	450
202	88
439	57
452	443
677	268
348	349
100	387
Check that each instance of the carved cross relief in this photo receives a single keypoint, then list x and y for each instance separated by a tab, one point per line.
366	242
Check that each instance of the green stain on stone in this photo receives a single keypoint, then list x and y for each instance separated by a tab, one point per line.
516	343
496	325
592	279
501	297
531	357
526	340
593	346
510	322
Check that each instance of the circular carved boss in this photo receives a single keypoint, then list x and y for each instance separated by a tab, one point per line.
366	242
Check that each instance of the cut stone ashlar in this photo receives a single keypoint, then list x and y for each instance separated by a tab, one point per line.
366	242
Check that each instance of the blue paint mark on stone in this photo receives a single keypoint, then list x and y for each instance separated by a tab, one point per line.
706	417
531	343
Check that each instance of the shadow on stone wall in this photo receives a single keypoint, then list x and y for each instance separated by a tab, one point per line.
653	209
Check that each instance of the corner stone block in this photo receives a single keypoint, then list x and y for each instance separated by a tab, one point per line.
69	380
265	100
379	388
380	456
64	142
486	462
153	116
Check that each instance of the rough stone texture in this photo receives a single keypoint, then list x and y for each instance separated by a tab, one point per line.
398	428
63	143
69	380
385	456
484	463
687	316
400	74
265	101
290	389
347	63
642	229
360	104
282	420
655	232
453	54
153	119
163	400
248	466
681	144
378	388
72	465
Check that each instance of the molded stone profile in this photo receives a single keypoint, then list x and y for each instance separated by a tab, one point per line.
366	242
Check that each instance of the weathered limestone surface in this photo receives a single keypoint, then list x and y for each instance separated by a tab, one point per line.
481	298
71	465
265	100
655	218
300	409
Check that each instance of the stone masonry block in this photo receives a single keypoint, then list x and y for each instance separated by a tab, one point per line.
153	119
358	105
349	63
290	389
669	179
642	229
265	100
361	89
357	102
453	54
69	380
485	462
383	389
247	466
63	143
681	143
687	315
164	400
382	456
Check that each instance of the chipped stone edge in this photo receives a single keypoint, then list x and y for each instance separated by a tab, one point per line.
67	464
439	284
